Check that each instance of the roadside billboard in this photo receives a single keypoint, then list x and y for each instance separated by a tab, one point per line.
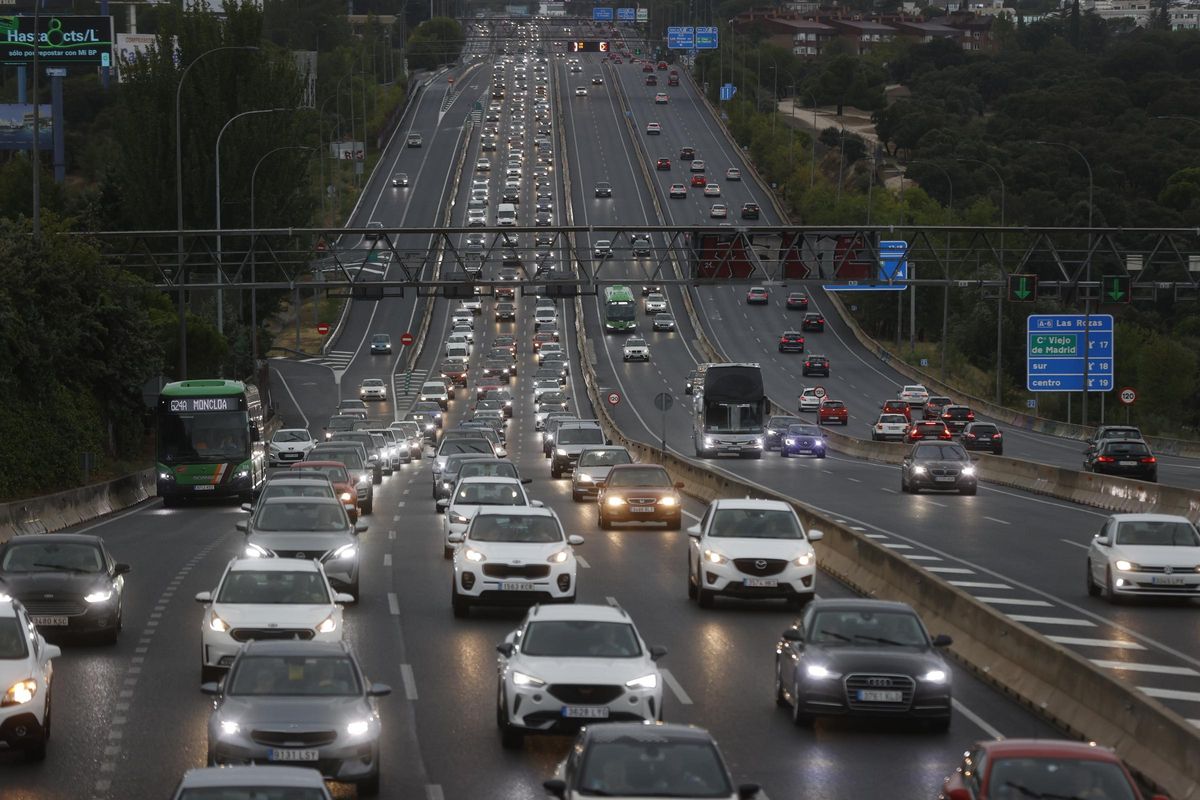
16	127
63	40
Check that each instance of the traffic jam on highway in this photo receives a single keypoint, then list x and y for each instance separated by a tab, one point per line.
562	646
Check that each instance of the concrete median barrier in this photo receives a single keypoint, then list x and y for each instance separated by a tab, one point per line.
54	512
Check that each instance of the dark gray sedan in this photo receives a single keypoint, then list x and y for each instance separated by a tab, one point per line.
308	528
938	465
862	657
298	703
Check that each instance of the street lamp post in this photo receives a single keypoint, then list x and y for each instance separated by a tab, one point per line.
1087	266
774	95
179	277
254	253
1000	298
812	168
220	260
841	161
946	287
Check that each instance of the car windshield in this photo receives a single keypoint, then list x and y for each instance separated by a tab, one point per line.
1058	777
755	523
12	639
489	494
853	626
1119	433
328	676
291	435
779	423
352	458
653	766
834	404
531	529
303	487
253	793
203	437
580	639
957	412
302	517
580	436
496	469
269	587
57	556
466	446
940	452
807	430
604	458
893	419
334	474
1162	533
984	430
1126	449
655	477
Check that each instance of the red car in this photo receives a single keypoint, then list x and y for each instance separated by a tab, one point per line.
1041	768
699	180
797	301
663	164
897	407
339	476
928	429
833	411
542	338
647	67
662	66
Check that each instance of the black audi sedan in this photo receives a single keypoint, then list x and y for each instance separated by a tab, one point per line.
860	657
68	582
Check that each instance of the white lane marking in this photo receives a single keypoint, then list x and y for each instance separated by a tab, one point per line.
410	681
979	585
876	535
935	503
1158	669
951	570
387	559
393	604
434	792
1170	694
855	480
1074	544
1116	644
1079	623
581	561
109	519
979	721
921	558
892	546
690	515
396	518
295	402
391	534
1013	601
675	687
400	504
1001	521
857	528
889	491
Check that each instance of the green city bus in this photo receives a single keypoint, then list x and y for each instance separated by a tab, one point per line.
620	309
209	441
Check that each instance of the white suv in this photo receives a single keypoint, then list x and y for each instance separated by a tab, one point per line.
473	494
635	350
436	392
568	666
266	598
26	670
517	556
751	549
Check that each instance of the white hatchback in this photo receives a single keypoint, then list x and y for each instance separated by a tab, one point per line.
1154	554
290	446
914	395
751	549
26	672
517	556
473	494
266	598
808	400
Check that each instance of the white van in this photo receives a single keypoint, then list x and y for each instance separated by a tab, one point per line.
506	214
457	350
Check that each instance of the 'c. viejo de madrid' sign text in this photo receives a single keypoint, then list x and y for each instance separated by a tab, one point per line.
63	39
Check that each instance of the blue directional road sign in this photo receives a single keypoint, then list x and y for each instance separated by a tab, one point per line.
1054	352
893	261
626	14
728	90
706	38
602	14
681	38
854	286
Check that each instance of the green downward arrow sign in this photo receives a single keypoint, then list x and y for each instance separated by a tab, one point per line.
1115	293
1022	288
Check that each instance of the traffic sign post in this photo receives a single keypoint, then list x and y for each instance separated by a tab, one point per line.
728	90
893	261
681	38
626	14
663	402
323	328
1062	348
706	38
1116	289
602	14
1127	397
819	392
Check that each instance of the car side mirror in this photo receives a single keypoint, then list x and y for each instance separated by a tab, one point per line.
506	649
793	635
748	790
455	538
442	505
51	651
815	535
657	652
203	597
556	787
537	504
361	527
210	688
247	507
526	481
379	690
679	484
942	640
343	598
1103	541
120	569
694	530
575	540
242	526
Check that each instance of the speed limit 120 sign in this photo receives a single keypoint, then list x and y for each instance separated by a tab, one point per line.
1127	396
613	398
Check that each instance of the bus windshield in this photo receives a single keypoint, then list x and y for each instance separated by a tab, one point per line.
721	418
621	311
207	437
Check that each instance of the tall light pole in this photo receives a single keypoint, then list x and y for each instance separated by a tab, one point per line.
220	260
774	94
946	287
1087	266
841	160
254	252
812	170
179	277
1000	298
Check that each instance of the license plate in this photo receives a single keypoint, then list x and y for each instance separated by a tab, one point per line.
946	479
517	586
292	455
48	621
762	582
288	754
645	510
585	712
806	450
878	696
204	487
1167	580
1127	463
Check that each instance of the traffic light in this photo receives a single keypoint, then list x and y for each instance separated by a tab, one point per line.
1022	288
1116	289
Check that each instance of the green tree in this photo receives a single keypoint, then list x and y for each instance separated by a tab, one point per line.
435	42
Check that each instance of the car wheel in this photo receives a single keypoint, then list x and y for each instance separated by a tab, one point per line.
998	451
369	506
969	492
555	473
706	598
37	750
353	589
576	496
783	452
691	582
369	787
461	605
780	700
903	484
821	454
510	737
1107	590
377	476
674	523
169	501
799	718
939	724
1092	589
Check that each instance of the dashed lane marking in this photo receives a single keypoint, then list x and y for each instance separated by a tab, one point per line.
393	604
387	559
409	680
1170	694
1013	601
675	687
979	585
1158	669
1001	521
1078	623
951	570
1116	644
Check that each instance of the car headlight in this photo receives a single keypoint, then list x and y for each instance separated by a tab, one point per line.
559	557
229	727
99	596
708	441
429	426
644	682
459	519
256	551
474	555
969	471
714	557
935	676
667	501
217	624
918	470
342	553
521	679
583	477
358	727
758	442
328	625
1126	566
364	479
772	431
345	497
614	500
819	672
789	441
20	693
805	560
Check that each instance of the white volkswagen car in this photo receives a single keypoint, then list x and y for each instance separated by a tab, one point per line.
372	389
751	549
26	672
567	666
890	426
808	400
1154	554
290	446
266	598
471	495
517	556
914	395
